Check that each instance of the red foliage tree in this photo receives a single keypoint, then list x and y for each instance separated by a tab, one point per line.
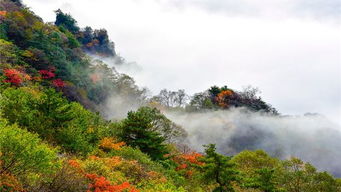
47	74
58	83
13	76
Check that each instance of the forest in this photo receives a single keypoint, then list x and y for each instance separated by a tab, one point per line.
57	133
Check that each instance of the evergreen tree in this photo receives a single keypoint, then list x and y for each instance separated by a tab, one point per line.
66	20
138	131
218	169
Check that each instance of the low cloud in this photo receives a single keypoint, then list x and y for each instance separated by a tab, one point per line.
311	137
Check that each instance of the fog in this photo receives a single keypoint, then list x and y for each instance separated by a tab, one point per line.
289	49
311	137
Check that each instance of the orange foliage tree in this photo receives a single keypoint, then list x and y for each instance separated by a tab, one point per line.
98	183
108	143
188	162
3	13
223	97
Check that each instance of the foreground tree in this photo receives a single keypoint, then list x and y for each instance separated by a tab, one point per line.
296	175
264	180
23	154
219	170
139	131
257	170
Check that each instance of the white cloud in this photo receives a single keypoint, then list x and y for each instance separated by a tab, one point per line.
291	51
234	130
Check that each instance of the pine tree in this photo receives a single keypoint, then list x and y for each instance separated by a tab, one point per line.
218	169
138	132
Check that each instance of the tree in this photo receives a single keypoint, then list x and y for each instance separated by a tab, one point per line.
171	98
215	90
200	101
257	169
219	170
323	181
225	98
96	42
161	124
296	175
66	20
87	35
140	131
22	152
248	97
53	117
250	161
8	53
181	97
264	180
17	2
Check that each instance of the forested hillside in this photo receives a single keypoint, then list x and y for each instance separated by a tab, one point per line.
57	134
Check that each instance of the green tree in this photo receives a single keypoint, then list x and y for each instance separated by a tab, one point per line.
200	101
338	184
257	169
296	176
22	152
8	54
161	124
40	111
140	131
66	20
82	133
3	31
264	180
215	90
249	161
54	118
218	169
323	181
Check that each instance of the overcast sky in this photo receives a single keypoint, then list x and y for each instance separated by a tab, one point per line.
289	49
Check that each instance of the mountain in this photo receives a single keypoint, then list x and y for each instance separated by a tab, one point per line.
57	131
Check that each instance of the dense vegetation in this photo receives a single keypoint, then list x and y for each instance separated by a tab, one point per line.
53	138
